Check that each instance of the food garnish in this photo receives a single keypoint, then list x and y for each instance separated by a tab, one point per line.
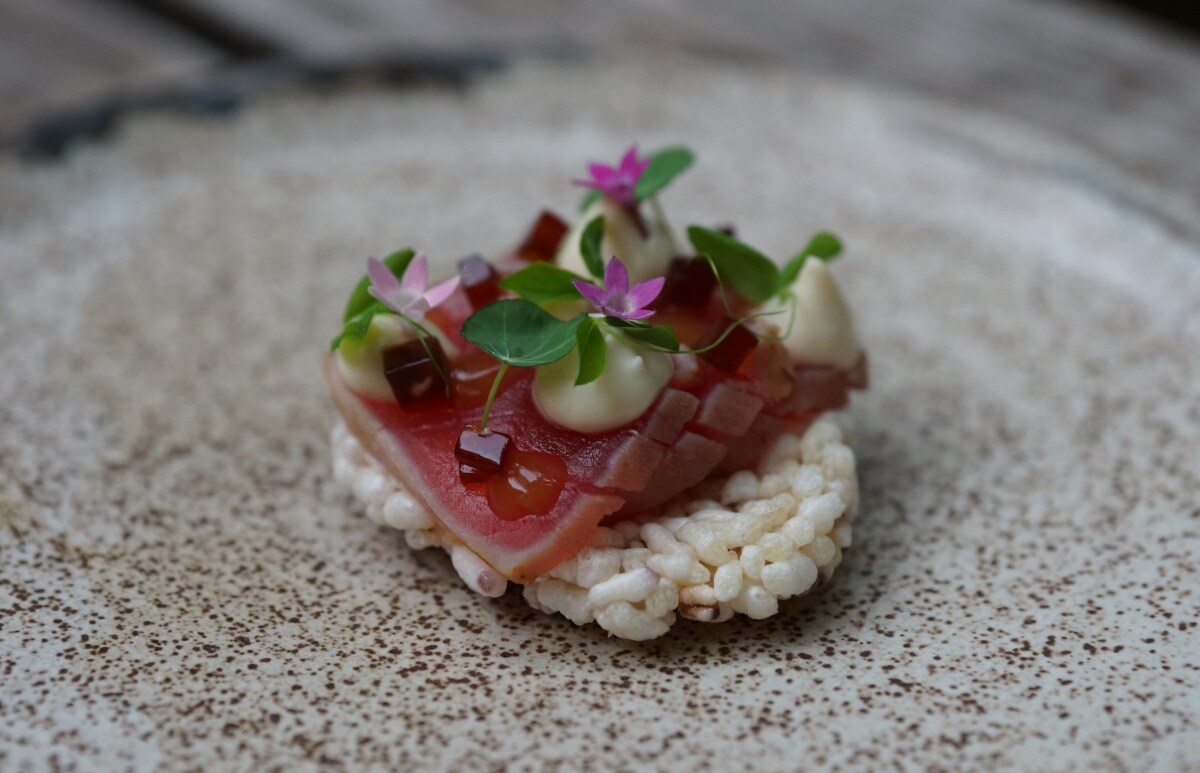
634	179
617	299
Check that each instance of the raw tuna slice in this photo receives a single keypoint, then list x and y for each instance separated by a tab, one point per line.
566	482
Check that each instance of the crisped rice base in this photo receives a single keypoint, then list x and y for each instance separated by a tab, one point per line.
732	545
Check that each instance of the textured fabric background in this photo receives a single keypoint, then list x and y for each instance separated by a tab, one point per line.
182	584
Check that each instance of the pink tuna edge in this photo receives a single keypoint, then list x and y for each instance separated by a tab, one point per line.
525	565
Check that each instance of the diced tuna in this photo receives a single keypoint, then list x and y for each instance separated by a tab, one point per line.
686	463
674	409
728	410
633	464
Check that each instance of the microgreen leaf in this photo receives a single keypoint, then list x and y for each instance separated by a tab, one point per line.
750	273
356	327
542	283
665	166
589	198
519	333
593	351
360	298
660	337
823	245
589	246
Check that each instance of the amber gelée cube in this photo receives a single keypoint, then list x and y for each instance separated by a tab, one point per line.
480	455
733	349
414	370
479	280
541	243
690	284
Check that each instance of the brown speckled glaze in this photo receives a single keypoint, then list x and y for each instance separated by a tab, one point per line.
183	586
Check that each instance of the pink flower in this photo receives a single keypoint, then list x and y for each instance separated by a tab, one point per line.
617	298
617	182
407	296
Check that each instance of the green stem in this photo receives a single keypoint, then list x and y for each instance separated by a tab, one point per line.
491	398
791	297
791	301
735	323
423	335
720	285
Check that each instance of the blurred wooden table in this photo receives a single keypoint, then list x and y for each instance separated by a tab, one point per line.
1111	81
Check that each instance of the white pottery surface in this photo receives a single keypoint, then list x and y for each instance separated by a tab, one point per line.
183	586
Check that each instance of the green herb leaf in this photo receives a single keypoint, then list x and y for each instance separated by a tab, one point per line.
360	299
593	351
750	273
356	327
542	283
589	246
589	198
664	166
655	336
824	245
519	333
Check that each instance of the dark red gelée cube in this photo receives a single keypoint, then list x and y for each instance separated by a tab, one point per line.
480	455
479	280
731	352
414	370
690	284
469	474
541	243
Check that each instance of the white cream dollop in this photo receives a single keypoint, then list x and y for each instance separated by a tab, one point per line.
360	361
643	257
823	332
630	383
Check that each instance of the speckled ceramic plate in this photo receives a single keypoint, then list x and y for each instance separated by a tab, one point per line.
184	586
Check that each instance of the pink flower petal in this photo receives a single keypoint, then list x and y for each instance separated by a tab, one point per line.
440	292
640	314
590	291
632	166
616	278
384	285
603	174
615	306
642	293
416	276
629	161
416	309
